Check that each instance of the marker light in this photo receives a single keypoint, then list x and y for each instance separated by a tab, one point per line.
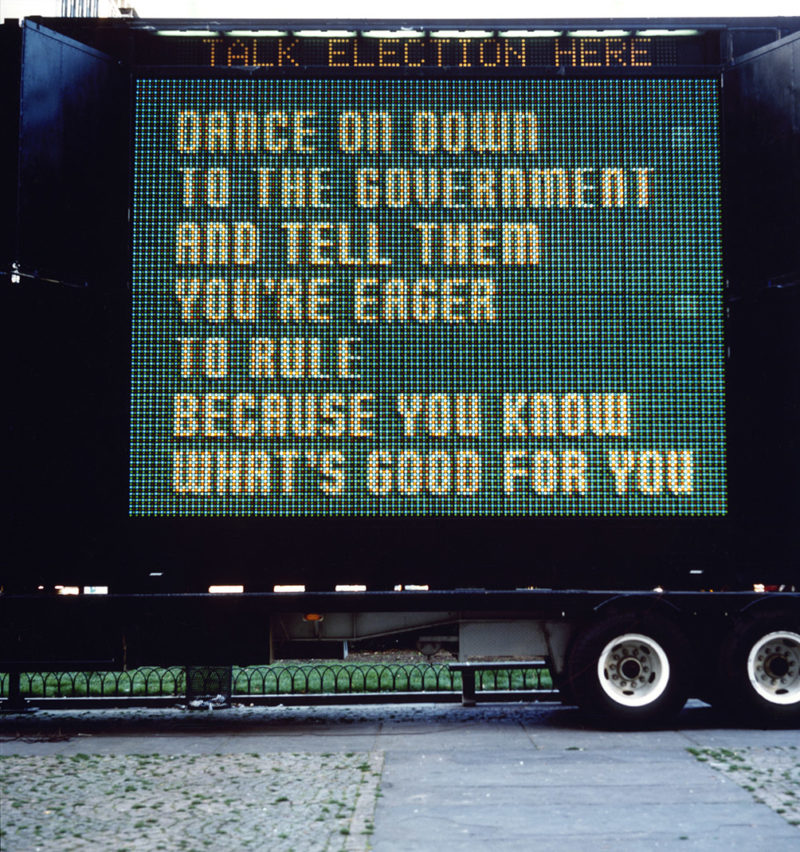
598	33
392	34
531	33
255	33
461	34
323	33
657	33
186	33
226	590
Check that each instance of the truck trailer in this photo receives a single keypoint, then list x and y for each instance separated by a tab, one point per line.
321	331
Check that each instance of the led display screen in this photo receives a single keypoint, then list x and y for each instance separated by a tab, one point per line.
418	297
420	50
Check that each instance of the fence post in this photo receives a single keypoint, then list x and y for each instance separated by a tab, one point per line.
467	687
15	702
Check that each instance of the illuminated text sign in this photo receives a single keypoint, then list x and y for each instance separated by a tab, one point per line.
411	297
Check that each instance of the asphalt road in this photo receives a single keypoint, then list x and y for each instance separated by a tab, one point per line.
393	777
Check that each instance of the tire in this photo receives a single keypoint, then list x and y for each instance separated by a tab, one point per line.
630	670
761	664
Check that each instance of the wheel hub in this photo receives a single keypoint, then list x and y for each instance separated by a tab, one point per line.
633	670
630	668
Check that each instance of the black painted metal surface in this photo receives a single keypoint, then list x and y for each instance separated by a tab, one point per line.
70	382
761	100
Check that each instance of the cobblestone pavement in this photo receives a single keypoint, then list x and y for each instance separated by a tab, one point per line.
189	802
770	773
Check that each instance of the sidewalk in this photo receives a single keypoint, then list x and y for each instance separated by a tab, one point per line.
509	777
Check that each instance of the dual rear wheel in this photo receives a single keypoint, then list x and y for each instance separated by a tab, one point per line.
630	669
761	662
636	669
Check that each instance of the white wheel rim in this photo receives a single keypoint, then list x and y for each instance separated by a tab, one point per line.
773	667
633	670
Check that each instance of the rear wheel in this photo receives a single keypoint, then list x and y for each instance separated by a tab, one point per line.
630	670
762	662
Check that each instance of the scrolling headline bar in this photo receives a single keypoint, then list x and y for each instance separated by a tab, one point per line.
453	50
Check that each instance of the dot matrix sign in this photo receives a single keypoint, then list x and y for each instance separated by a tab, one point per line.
427	297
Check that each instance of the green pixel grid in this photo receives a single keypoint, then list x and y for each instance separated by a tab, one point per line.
573	367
